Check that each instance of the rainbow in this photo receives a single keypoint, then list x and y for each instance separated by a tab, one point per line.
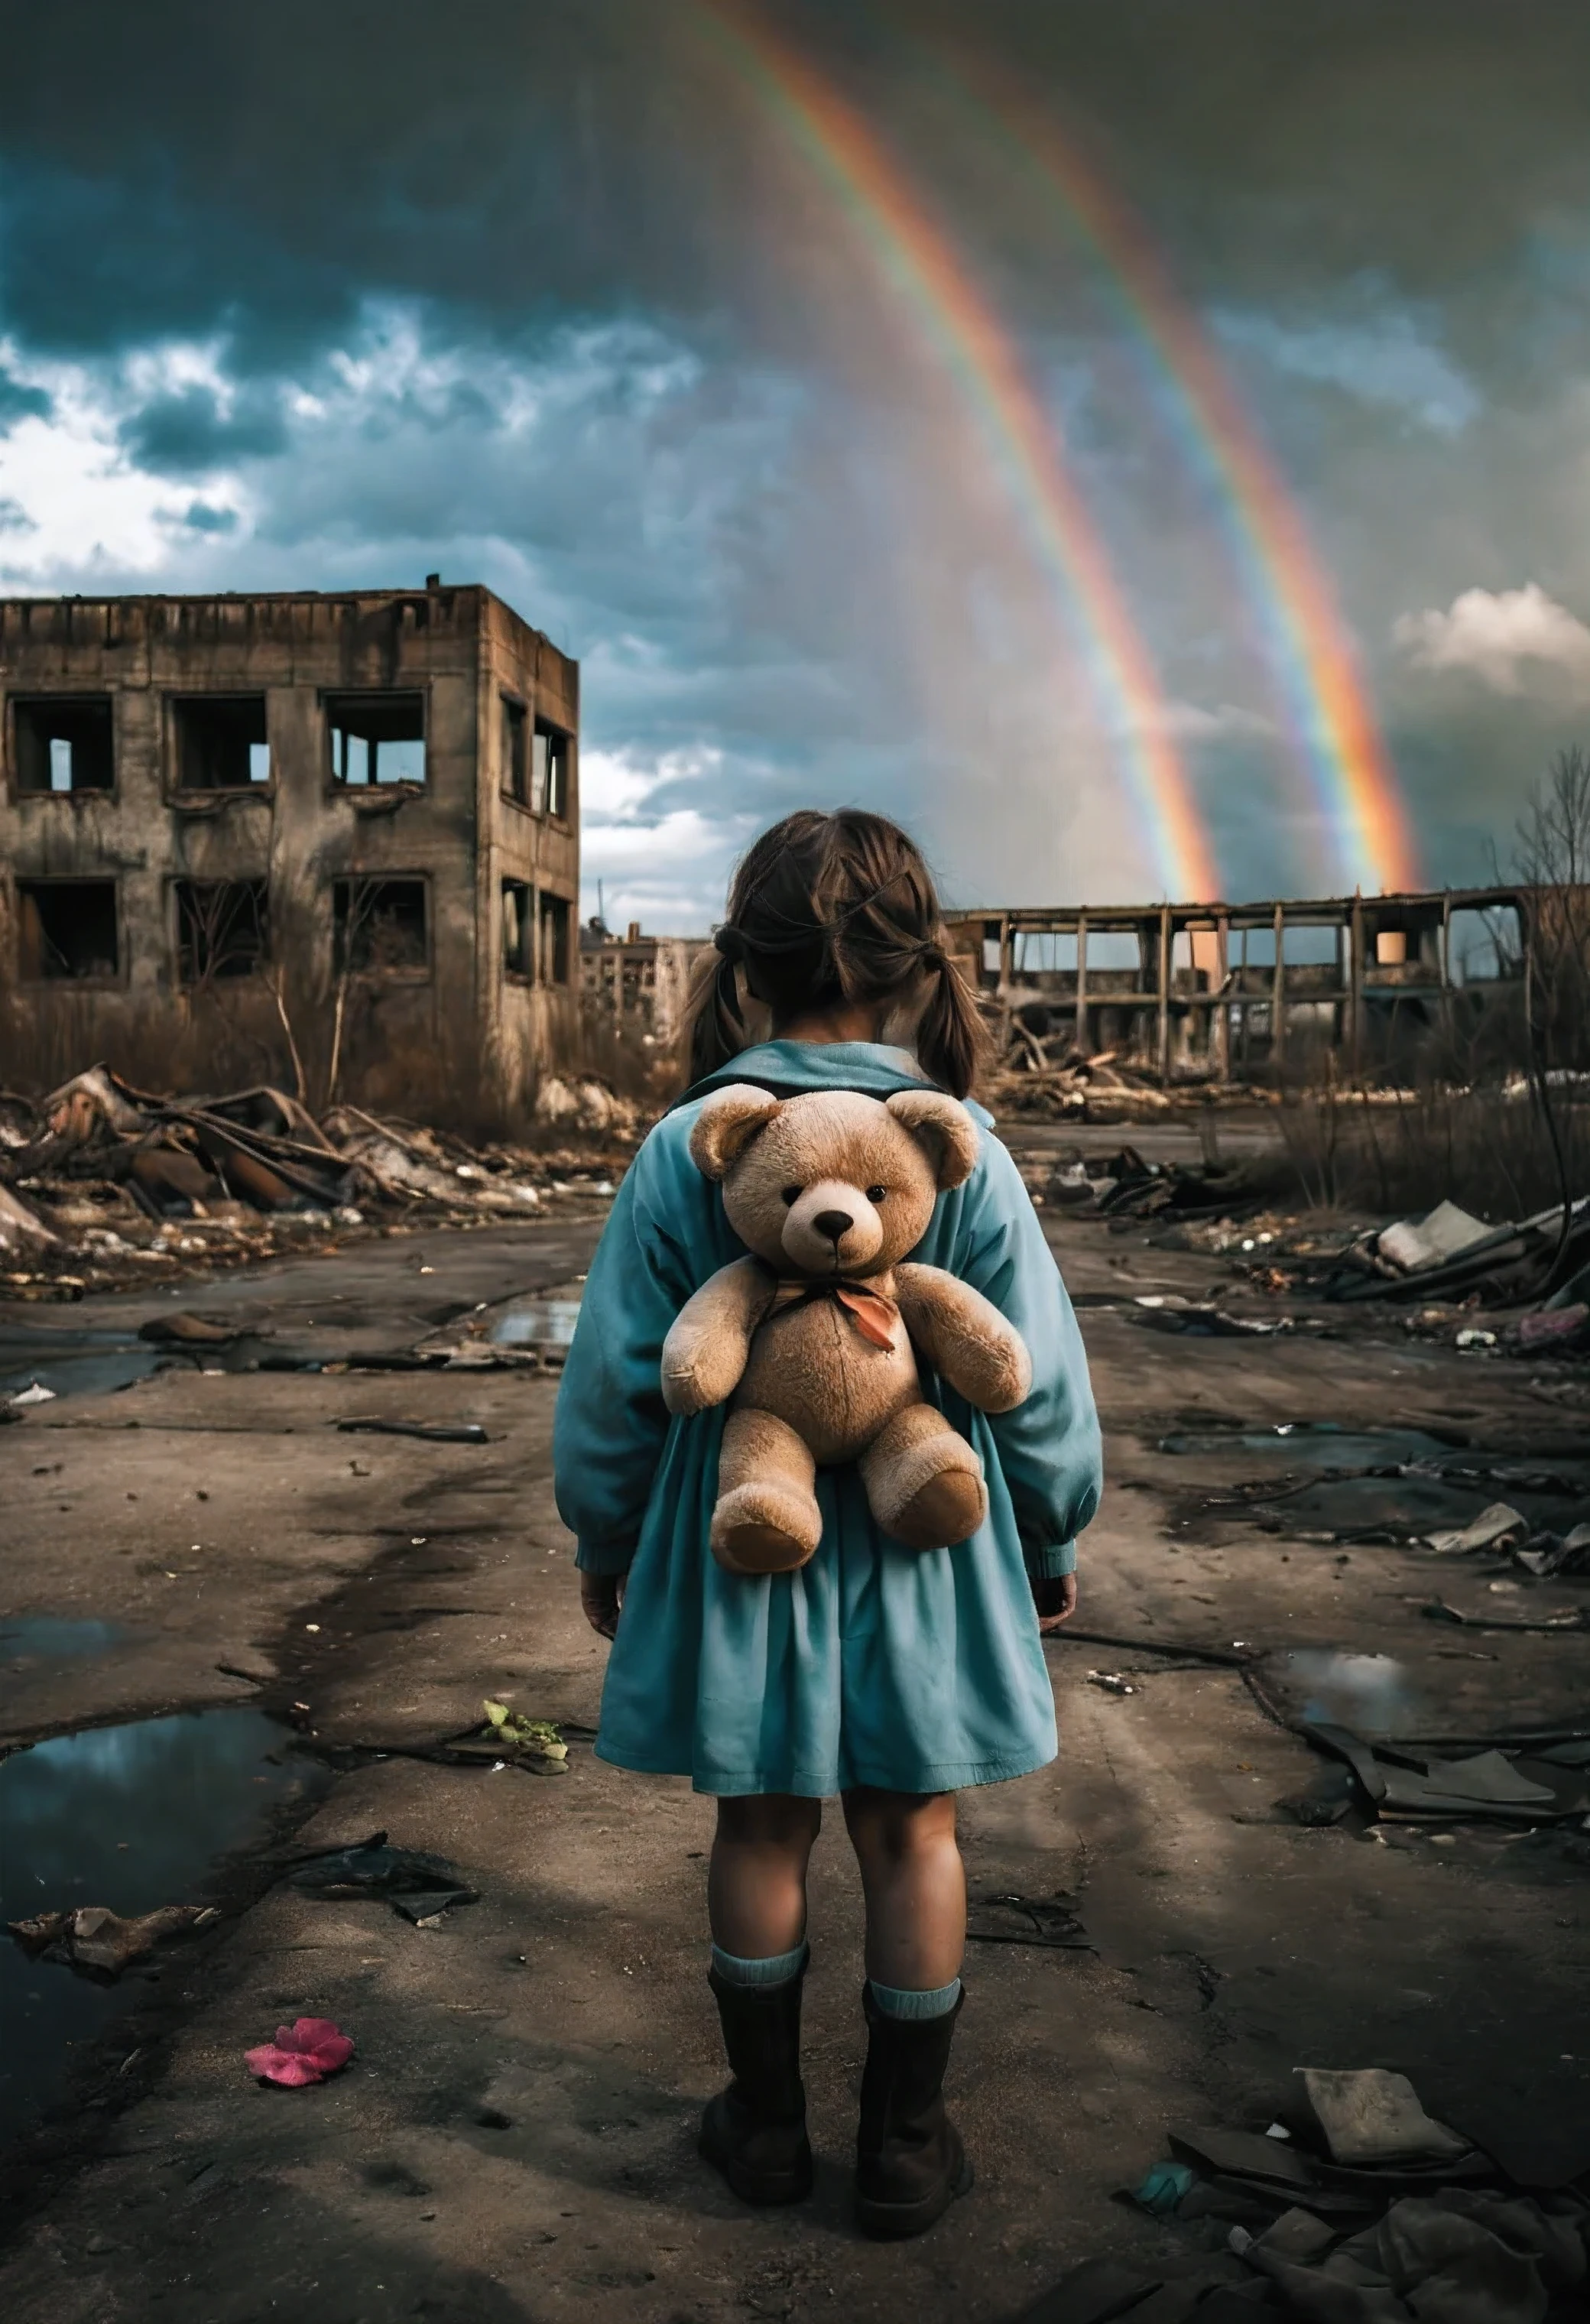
1329	709
920	263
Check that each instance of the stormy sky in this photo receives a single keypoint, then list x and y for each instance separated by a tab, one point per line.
572	299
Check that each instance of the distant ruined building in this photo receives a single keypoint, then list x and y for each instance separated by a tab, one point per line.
1258	992
325	838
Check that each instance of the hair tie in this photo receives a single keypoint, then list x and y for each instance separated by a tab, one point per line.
731	942
931	955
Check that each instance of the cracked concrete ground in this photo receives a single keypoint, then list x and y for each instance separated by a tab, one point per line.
515	2137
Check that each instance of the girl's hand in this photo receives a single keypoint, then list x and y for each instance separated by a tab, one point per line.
1056	1601
601	1595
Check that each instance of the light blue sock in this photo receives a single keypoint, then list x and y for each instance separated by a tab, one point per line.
778	1969
895	2001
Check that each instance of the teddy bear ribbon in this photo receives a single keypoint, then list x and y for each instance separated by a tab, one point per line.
873	1316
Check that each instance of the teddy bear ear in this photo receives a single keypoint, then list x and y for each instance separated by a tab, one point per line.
727	1123
942	1125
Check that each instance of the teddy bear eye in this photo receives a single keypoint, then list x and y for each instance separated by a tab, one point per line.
876	1193
792	1194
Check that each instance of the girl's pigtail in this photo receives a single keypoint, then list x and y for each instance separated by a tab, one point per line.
714	1023
951	1040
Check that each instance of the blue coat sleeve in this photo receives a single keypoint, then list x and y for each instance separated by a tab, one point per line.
612	1422
1049	1447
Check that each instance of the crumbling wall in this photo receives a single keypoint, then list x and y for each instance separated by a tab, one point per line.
529	1015
419	1026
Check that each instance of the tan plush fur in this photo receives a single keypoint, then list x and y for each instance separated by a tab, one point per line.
826	1189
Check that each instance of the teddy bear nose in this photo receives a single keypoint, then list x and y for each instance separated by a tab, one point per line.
834	1225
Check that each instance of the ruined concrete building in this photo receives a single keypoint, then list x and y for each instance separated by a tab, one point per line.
325	838
1252	992
634	981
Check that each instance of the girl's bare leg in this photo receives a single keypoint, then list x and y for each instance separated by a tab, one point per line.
914	1884
757	1885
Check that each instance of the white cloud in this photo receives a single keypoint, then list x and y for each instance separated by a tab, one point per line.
1497	635
1382	357
76	503
1190	721
659	860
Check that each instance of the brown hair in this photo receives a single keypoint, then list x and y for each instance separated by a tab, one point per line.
825	909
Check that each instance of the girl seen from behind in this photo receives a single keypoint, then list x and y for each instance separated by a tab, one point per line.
889	1675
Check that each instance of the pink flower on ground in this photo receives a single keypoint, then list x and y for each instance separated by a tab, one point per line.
301	2053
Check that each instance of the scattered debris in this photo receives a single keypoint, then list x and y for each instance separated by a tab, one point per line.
1111	1682
93	1939
1126	1185
1169	1311
1052	1078
1374	2116
1446	1251
1552	1556
1368	2212
1413	1245
469	1432
1401	1781
414	1883
537	1744
1162	2188
1437	1610
302	2053
1558	1328
186	1330
1489	1530
110	1181
32	1393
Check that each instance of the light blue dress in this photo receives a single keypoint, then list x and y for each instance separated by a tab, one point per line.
915	1671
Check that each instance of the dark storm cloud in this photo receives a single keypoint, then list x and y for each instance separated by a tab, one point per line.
200	517
189	434
20	402
267	168
574	210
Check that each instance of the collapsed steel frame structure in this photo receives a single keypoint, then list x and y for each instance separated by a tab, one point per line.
1196	1004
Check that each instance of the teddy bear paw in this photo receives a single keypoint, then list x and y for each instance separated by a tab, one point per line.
949	1509
762	1528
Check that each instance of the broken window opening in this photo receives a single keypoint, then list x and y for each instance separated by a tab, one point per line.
376	738
549	770
381	928
515	768
222	928
518	955
1483	946
1043	952
65	743
221	742
67	929
553	931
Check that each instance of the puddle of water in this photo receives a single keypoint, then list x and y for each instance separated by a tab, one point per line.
180	1792
53	1639
75	1364
1318	1444
544	1319
1371	1693
97	1364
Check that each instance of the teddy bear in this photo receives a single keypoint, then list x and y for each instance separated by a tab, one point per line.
813	1336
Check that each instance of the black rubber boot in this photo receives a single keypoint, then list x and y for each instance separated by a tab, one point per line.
755	2131
910	2163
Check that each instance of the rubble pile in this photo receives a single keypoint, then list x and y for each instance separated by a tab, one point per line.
100	1183
1355	2206
1055	1080
1447	1267
1127	1185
